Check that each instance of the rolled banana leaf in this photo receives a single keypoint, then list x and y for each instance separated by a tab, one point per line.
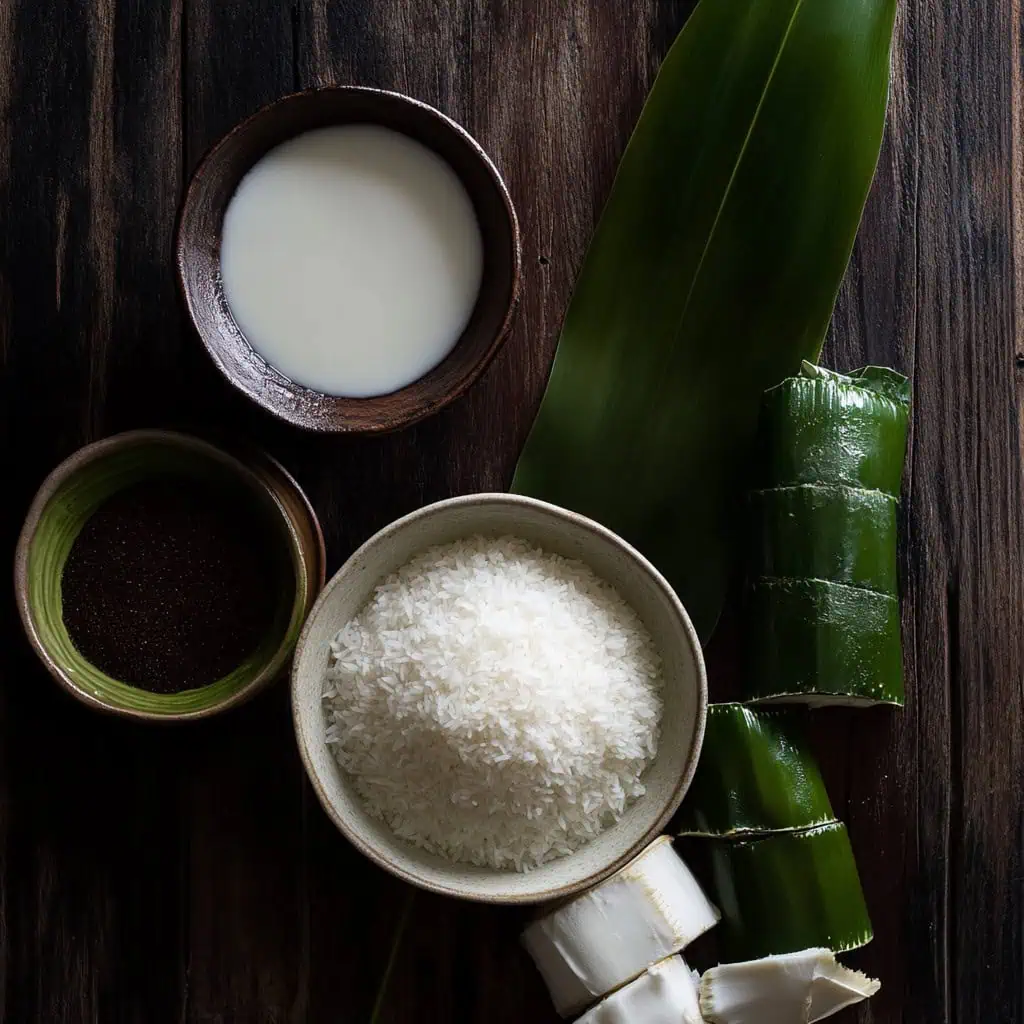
756	775
836	533
822	427
817	643
711	275
788	892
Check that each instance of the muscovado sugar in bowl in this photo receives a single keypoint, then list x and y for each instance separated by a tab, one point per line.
160	577
168	586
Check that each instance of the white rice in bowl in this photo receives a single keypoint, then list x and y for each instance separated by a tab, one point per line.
494	703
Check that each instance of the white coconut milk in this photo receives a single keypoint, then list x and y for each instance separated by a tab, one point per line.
351	259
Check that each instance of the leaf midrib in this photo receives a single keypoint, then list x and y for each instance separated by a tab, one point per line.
735	170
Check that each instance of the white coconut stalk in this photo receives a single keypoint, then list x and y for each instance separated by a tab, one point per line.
835	987
664	994
795	988
609	935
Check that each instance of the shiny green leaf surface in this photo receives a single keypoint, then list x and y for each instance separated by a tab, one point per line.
817	643
829	428
756	775
711	275
787	892
841	534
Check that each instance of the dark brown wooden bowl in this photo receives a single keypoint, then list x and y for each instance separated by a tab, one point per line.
198	259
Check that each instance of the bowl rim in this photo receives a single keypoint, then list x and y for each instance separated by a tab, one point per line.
380	856
287	412
95	450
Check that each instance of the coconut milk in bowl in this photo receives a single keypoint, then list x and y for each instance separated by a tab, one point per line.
349	258
352	259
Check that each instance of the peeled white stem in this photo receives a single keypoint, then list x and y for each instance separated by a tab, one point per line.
837	987
796	988
599	941
664	994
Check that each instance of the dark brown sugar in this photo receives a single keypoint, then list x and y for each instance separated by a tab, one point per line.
170	585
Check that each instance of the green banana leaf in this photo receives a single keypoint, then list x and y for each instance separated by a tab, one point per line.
819	643
711	275
822	427
786	892
836	533
756	775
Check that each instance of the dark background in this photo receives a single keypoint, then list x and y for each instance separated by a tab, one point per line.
188	874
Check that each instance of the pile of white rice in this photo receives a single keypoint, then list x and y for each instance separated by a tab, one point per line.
494	703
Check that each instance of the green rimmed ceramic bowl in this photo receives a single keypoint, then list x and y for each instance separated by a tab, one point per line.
78	486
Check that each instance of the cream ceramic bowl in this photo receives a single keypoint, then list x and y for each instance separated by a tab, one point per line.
561	532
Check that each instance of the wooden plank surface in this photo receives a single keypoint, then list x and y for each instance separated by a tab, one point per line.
189	875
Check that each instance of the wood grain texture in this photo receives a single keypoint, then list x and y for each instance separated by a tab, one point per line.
190	875
934	289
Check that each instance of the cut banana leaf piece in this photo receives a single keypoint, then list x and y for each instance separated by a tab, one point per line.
819	643
755	775
788	892
664	994
826	532
611	934
711	275
795	988
823	427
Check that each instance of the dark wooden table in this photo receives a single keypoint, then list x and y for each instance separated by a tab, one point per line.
188	874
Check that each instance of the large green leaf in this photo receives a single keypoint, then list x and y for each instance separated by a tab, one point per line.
712	274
